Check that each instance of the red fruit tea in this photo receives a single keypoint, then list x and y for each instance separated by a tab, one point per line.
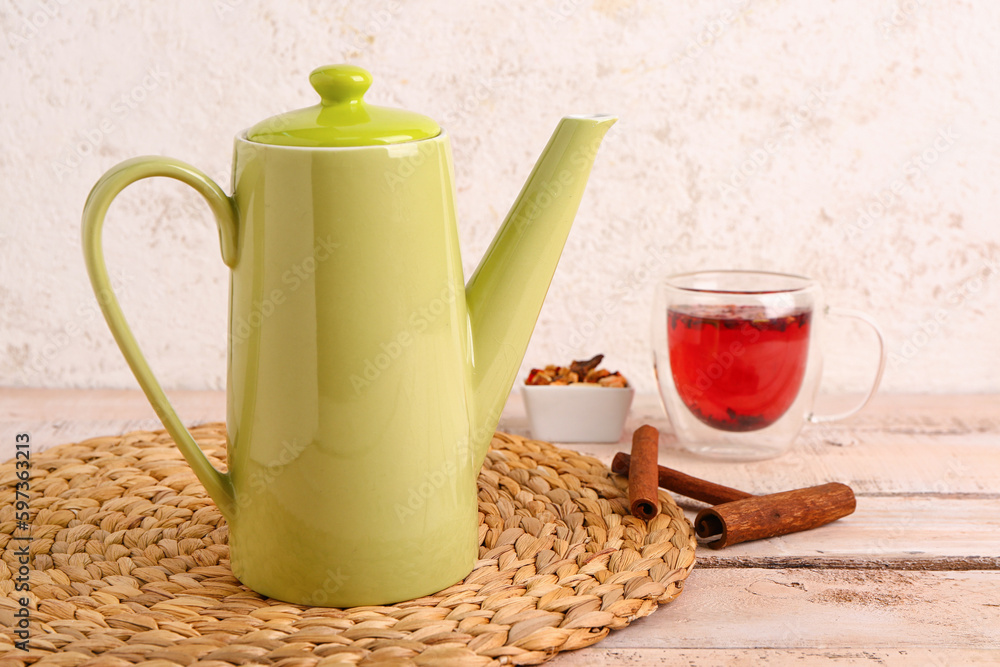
734	367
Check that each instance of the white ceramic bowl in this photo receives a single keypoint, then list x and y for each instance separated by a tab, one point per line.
576	413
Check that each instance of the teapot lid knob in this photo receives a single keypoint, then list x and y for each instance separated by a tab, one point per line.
342	118
338	84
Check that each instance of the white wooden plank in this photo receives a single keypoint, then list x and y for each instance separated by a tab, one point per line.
909	445
943	445
828	609
895	657
58	416
943	465
921	532
906	414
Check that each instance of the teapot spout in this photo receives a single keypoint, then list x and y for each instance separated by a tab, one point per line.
505	293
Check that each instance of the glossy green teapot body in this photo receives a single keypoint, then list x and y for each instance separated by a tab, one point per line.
365	377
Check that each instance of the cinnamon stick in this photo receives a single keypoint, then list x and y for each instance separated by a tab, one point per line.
642	483
739	516
759	517
686	485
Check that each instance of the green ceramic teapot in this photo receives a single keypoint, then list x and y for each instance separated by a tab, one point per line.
365	377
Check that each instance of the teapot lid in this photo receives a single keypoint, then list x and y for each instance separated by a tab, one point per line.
342	118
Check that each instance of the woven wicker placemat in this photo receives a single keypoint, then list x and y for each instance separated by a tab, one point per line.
130	565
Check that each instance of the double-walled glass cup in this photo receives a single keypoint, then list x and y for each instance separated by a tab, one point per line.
738	359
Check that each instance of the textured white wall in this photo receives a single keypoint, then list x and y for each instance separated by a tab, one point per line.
751	135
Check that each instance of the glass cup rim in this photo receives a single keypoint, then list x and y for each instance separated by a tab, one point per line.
671	282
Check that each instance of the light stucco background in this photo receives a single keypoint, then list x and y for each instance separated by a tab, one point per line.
853	141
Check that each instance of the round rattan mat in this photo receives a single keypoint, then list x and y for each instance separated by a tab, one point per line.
129	564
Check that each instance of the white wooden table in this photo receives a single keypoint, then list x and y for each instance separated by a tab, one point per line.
913	577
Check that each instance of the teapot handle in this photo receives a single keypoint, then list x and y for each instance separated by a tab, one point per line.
218	484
